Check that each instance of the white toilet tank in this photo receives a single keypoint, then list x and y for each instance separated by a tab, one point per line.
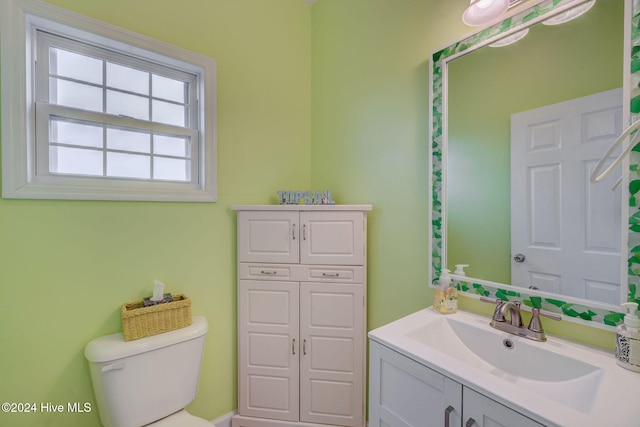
139	382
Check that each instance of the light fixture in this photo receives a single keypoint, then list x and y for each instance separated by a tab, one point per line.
482	12
510	39
570	14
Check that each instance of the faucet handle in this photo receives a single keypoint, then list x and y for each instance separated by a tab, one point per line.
491	300
497	314
549	315
535	325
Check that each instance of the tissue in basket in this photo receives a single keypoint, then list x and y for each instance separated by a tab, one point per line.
139	321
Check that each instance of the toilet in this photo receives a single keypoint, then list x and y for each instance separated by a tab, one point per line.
148	381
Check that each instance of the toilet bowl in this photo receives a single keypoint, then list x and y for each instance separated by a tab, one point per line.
148	381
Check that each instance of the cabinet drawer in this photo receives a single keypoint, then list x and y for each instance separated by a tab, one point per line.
321	273
301	273
265	271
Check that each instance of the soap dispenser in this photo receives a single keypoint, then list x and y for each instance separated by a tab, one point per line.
460	269
628	339
445	296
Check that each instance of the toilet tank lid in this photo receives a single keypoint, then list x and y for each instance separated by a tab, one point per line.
113	347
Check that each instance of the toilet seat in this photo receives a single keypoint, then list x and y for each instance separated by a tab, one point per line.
181	419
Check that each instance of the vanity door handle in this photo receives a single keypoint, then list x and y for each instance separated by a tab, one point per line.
447	414
293	347
470	422
304	231
304	347
293	232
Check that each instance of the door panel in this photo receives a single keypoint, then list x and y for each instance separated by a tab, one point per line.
268	349
265	236
568	228
332	238
489	413
332	334
403	393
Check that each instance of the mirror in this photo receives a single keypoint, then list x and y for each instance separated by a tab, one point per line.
478	88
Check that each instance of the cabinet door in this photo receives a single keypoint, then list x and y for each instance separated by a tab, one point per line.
480	411
268	236
332	238
332	354
268	349
403	393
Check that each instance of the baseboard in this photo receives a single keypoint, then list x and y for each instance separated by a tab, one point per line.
225	420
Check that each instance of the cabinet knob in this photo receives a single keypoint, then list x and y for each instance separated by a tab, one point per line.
470	422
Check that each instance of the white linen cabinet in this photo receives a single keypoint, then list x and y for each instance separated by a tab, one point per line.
301	315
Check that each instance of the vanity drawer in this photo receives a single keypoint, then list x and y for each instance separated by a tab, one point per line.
320	273
265	271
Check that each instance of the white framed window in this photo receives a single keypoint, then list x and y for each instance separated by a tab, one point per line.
92	111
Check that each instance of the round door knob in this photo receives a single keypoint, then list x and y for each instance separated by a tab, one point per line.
519	258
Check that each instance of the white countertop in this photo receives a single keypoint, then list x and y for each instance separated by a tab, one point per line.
617	403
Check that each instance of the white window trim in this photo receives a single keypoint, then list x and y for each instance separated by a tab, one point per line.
18	20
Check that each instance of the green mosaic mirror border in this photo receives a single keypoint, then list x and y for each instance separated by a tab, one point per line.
633	279
567	306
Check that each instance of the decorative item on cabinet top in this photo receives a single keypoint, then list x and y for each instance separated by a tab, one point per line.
306	197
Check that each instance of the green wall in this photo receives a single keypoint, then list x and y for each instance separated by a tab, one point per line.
67	266
333	95
370	131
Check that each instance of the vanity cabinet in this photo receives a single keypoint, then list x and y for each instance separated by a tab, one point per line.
405	393
301	316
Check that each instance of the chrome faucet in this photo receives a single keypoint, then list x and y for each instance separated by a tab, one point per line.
513	308
514	324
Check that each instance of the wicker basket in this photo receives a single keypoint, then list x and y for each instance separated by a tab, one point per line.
139	321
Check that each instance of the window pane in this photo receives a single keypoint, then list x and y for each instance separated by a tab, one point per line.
72	133
74	161
127	78
171	146
127	105
75	66
128	165
77	95
171	169
169	89
112	119
171	114
126	140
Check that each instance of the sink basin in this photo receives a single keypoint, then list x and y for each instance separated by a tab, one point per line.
535	366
